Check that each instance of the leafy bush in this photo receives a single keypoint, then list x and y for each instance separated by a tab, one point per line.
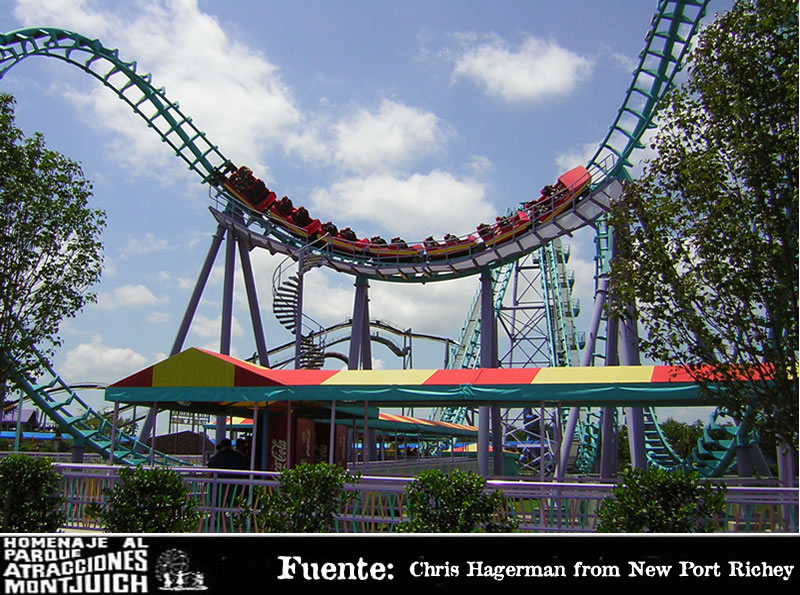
659	501
30	498
454	502
147	501
307	500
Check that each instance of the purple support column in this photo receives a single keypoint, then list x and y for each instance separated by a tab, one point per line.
634	416
608	431
199	286
586	360
252	300
488	360
227	314
360	309
188	316
359	345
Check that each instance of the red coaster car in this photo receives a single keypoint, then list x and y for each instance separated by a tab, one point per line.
451	247
250	190
296	220
504	229
345	241
396	250
555	199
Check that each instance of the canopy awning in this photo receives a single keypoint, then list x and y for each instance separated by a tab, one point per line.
198	377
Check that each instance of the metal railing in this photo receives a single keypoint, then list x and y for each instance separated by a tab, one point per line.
378	507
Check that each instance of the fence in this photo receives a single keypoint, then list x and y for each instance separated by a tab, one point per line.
540	507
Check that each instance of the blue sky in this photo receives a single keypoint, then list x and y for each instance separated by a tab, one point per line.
398	118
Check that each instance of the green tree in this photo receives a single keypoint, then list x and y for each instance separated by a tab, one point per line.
707	237
50	249
30	495
454	502
308	498
143	500
659	501
682	437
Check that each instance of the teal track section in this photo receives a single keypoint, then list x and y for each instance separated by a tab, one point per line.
76	418
667	42
165	117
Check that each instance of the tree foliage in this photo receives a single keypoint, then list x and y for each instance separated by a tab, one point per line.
30	495
659	501
454	502
308	498
146	500
682	437
50	249
707	237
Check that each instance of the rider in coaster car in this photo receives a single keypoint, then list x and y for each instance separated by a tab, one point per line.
485	231
284	207
430	242
378	240
399	243
301	217
348	234
450	238
330	229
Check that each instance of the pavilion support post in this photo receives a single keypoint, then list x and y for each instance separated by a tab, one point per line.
153	436
253	437
366	447
114	423
289	437
263	439
332	437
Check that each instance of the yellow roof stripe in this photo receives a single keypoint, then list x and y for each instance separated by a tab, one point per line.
193	368
379	377
592	374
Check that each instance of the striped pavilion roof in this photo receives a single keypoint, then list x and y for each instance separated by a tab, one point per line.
198	375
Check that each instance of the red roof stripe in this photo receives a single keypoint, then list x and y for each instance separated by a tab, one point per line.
506	375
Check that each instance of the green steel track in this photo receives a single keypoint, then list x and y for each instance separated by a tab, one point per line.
86	427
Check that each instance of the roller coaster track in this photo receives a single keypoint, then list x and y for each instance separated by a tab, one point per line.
340	333
87	427
667	42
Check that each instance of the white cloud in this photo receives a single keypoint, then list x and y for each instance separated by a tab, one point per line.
434	308
576	156
145	244
537	69
205	327
411	206
391	137
99	362
158	317
129	296
187	51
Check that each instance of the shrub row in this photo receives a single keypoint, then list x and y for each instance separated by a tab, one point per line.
308	498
